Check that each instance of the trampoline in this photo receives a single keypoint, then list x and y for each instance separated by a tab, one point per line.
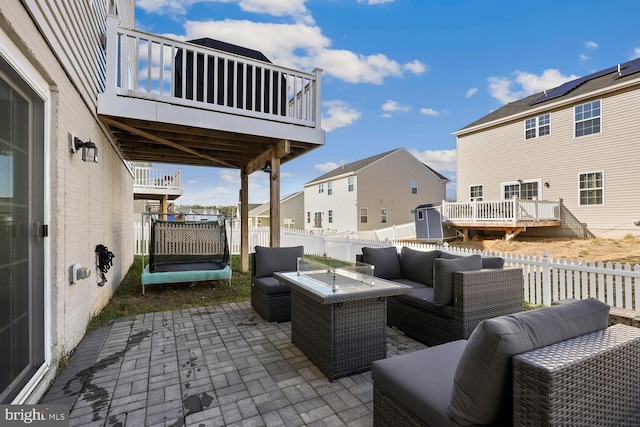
186	251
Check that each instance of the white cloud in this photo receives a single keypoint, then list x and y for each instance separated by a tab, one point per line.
338	114
326	167
591	45
584	57
415	67
293	8
301	45
440	160
429	112
391	105
471	92
636	53
502	88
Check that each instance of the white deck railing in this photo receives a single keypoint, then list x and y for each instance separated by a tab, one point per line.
148	178
153	67
511	210
545	279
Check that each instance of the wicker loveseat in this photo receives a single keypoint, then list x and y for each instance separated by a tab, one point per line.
553	366
451	293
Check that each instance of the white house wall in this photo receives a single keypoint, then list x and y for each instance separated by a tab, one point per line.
342	202
502	154
88	203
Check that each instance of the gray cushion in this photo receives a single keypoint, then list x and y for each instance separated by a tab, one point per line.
421	380
447	255
443	276
422	298
271	260
271	286
482	389
386	261
492	262
417	265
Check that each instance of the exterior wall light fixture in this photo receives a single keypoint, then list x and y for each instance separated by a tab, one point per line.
89	149
267	166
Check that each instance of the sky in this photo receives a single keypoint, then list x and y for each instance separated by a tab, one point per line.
399	73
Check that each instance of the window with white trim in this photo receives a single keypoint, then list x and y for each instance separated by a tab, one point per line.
350	183
537	126
330	215
420	215
414	186
289	222
587	118
329	188
321	188
476	192
308	217
364	215
591	188
383	215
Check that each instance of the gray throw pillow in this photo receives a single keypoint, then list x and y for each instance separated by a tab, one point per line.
447	255
492	262
482	387
417	265
270	260
443	276
385	260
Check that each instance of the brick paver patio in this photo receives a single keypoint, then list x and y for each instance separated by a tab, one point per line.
208	366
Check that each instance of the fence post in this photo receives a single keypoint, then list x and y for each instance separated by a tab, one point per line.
546	279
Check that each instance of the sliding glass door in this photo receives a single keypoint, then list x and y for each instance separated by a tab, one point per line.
21	233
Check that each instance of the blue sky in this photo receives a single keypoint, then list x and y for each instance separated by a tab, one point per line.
400	73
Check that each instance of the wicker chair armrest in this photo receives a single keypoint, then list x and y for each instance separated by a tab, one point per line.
587	380
484	294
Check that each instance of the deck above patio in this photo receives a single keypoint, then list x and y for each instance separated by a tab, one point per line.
185	103
511	216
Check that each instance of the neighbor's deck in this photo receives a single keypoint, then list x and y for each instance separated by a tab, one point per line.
511	216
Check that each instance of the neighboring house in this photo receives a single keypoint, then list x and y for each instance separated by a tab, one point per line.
72	85
291	212
577	143
372	193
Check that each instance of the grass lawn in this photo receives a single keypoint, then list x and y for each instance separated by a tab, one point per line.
128	300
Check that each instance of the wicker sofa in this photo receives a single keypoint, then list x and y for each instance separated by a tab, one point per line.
451	294
554	366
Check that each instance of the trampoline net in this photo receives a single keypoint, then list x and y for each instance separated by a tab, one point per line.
188	242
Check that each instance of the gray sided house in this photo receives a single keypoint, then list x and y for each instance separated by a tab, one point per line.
576	144
79	103
373	193
291	212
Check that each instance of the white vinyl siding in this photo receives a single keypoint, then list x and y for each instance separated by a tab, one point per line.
558	159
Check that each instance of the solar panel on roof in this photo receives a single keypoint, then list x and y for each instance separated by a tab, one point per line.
567	87
631	69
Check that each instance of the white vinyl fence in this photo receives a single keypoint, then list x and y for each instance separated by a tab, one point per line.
545	279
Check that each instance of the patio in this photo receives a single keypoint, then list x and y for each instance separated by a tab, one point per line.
208	366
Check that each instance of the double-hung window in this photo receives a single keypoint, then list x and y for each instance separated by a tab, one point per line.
587	118
414	186
329	188
350	183
364	215
320	188
591	188
476	192
537	126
